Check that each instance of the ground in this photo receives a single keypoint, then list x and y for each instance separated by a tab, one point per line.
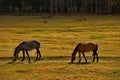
58	36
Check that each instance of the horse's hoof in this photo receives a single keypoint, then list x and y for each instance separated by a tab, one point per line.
35	61
22	60
9	62
70	62
29	62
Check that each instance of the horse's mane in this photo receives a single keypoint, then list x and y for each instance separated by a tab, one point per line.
17	49
76	49
20	44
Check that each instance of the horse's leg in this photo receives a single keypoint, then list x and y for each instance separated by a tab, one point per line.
79	57
84	57
39	55
23	56
28	55
97	56
36	57
15	58
93	56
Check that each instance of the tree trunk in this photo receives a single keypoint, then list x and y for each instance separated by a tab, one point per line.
96	6
91	6
51	8
56	7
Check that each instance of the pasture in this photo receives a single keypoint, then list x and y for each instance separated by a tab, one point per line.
58	36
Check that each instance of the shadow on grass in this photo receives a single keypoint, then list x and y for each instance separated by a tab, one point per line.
60	59
21	71
79	63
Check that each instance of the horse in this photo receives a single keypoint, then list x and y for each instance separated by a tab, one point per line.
85	47
26	46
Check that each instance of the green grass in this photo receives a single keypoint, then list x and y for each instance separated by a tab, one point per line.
58	37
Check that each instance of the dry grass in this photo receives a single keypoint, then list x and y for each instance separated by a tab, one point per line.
58	36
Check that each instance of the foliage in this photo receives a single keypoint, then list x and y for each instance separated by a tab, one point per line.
61	6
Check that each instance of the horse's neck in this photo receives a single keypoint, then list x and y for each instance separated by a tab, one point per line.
18	49
75	51
74	54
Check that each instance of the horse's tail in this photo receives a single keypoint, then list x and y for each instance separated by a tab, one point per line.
39	45
96	47
95	53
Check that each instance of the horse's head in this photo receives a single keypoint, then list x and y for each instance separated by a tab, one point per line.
16	52
72	58
74	53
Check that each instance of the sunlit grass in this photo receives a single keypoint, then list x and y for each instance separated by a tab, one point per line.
58	37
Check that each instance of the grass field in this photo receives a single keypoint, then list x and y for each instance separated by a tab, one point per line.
58	36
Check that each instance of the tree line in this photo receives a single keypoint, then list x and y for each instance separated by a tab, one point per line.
61	6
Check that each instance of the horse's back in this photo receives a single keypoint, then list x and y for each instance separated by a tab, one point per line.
85	47
35	43
29	45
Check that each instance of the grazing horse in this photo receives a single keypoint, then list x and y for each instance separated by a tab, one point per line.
81	48
25	47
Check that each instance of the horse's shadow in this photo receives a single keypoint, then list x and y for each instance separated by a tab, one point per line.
6	60
21	62
77	63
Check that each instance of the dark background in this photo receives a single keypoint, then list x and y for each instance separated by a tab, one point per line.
60	6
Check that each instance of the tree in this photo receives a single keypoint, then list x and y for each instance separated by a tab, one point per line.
61	6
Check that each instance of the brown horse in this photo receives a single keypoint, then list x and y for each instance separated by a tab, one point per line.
25	47
81	48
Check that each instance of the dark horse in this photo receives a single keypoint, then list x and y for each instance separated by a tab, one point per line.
25	47
81	48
